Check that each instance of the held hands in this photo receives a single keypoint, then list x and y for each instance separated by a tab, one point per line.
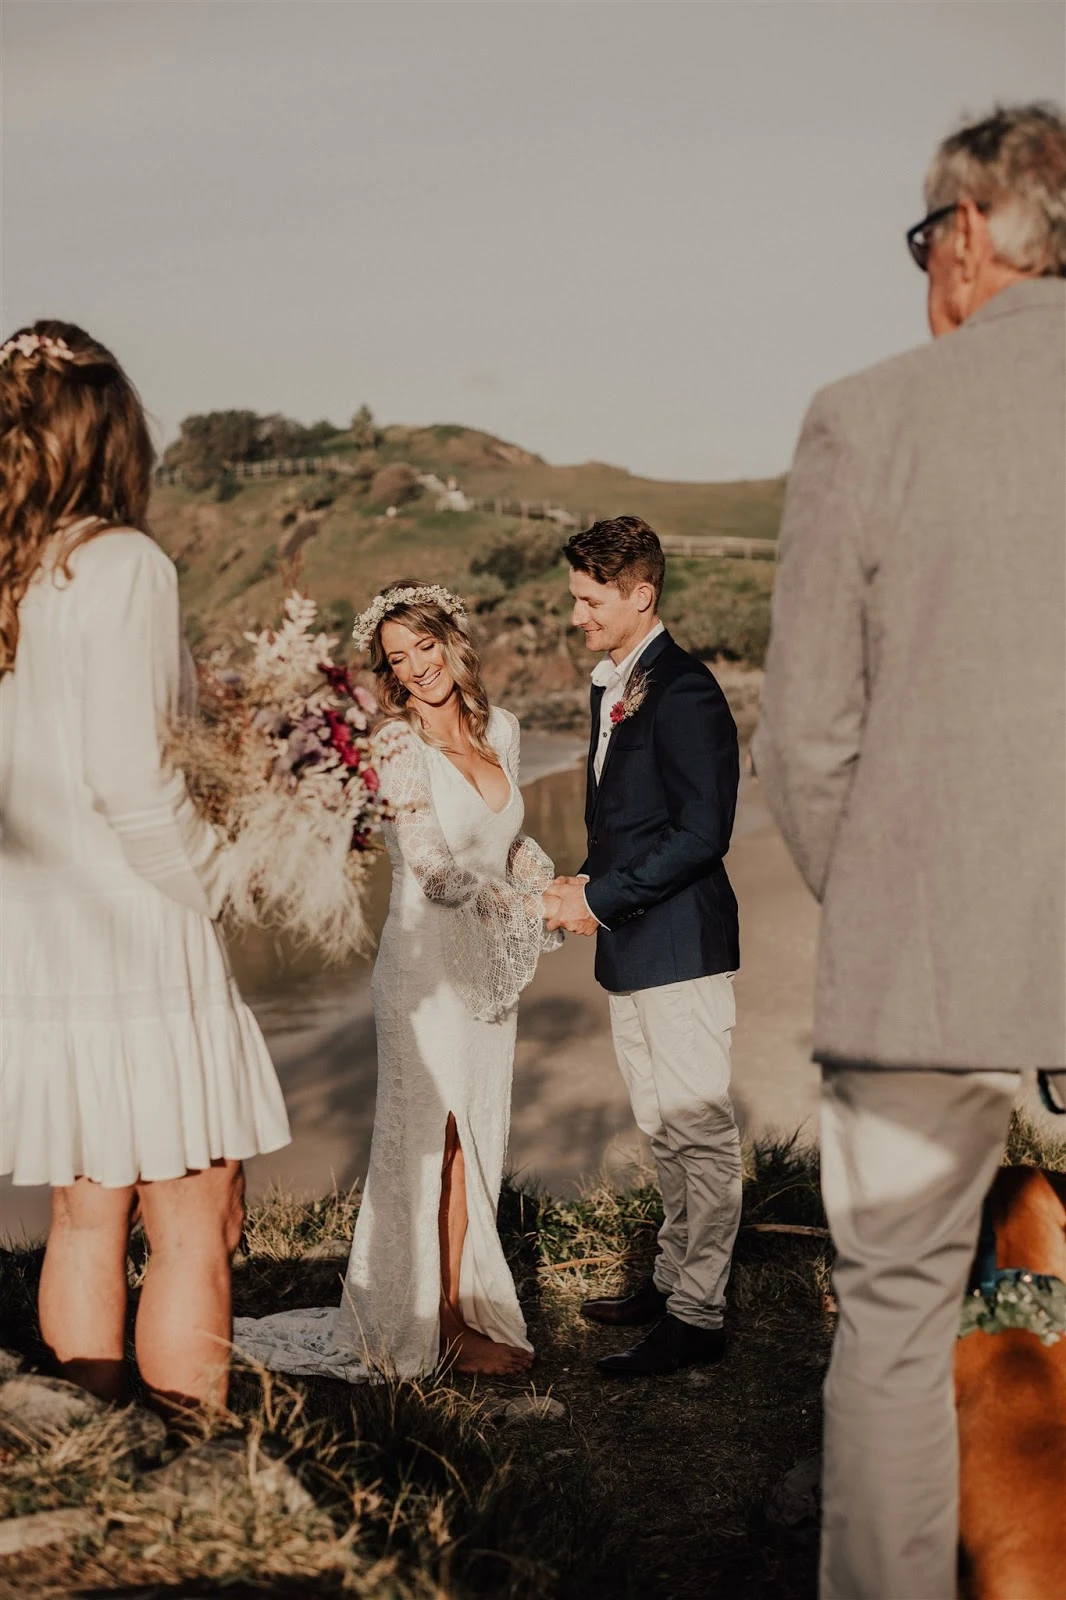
564	907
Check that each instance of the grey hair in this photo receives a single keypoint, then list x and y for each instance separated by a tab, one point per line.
1013	165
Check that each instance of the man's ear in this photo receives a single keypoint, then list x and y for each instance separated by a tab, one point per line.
645	596
971	240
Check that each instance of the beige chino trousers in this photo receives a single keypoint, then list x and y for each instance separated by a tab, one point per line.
907	1158
673	1049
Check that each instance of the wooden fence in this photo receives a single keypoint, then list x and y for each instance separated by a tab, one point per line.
709	544
283	467
701	546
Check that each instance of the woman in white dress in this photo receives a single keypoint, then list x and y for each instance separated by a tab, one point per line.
427	1277
132	1078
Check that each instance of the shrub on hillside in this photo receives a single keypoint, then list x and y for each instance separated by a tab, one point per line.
722	615
484	592
227	486
363	429
394	485
516	557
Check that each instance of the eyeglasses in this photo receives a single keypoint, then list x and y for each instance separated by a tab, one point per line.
920	237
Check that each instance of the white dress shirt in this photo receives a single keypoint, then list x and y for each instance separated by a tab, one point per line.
613	680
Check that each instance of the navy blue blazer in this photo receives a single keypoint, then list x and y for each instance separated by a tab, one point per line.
659	823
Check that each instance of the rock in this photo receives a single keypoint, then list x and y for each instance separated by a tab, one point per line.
38	1406
328	1250
208	1473
38	1409
796	1502
10	1363
45	1527
528	1408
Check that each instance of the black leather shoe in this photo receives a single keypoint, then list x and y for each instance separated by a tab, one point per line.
645	1304
671	1345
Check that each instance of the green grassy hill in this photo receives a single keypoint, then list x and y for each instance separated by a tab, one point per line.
240	546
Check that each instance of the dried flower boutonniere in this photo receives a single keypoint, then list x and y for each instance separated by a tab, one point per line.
632	699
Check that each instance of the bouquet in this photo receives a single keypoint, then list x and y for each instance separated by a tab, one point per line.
279	757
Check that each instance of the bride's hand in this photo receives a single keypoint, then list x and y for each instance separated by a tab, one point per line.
548	903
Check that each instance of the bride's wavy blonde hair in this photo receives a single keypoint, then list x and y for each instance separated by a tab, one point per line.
460	658
74	449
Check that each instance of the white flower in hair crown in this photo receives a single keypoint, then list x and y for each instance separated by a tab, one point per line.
392	599
28	344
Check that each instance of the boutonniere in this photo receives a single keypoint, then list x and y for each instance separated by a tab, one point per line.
631	700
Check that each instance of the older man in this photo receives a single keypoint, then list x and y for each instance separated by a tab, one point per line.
912	751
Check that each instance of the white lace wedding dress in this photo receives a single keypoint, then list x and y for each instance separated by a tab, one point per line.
462	940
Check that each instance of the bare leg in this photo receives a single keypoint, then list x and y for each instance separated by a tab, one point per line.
185	1316
466	1350
82	1295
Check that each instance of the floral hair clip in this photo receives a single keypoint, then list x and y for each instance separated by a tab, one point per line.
29	344
393	599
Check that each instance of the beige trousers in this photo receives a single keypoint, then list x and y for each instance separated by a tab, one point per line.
672	1045
907	1158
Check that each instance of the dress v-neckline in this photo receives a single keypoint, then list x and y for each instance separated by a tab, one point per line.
464	779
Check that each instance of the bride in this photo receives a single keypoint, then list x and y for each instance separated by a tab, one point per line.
427	1279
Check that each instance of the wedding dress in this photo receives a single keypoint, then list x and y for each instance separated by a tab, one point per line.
463	937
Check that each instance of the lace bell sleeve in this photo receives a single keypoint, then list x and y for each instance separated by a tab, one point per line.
530	869
493	950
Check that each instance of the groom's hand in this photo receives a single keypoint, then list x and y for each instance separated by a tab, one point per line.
566	908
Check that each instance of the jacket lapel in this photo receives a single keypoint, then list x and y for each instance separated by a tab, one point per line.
644	664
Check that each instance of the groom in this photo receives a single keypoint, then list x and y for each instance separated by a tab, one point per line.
662	787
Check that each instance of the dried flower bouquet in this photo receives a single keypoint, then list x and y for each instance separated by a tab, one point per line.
278	755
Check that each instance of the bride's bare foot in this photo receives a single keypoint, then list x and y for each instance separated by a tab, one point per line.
463	1350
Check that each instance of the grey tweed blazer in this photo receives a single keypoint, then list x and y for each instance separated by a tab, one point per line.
912	742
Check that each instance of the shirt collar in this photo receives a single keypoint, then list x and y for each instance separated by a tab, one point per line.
605	675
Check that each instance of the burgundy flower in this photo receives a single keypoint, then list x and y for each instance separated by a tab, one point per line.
341	739
338	678
618	713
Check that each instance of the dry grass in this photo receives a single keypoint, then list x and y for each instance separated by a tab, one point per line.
644	1490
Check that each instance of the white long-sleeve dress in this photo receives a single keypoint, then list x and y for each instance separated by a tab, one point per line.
462	939
126	1052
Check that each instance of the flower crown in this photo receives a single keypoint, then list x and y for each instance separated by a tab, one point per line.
28	344
369	620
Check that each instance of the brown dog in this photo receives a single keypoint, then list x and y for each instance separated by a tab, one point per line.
1011	1393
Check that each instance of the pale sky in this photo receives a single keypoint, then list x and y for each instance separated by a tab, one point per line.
641	233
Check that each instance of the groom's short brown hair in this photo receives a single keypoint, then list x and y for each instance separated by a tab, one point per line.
619	550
